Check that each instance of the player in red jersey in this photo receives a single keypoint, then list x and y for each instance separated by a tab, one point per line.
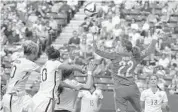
123	66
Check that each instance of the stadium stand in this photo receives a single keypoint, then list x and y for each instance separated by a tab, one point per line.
141	18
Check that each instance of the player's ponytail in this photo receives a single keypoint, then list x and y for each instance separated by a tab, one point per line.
52	53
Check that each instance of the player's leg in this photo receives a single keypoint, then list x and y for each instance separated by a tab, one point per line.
42	104
134	98
27	103
7	102
12	103
121	103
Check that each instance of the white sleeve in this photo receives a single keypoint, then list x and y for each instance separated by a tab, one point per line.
165	99
100	94
143	96
33	66
80	94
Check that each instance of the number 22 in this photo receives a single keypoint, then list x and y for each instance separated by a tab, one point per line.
123	64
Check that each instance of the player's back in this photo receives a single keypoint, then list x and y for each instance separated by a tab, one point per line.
49	78
123	67
21	69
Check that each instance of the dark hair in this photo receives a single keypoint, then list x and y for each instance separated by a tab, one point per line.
174	65
127	43
66	73
136	53
52	53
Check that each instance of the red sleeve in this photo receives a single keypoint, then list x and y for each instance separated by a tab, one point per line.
104	54
150	49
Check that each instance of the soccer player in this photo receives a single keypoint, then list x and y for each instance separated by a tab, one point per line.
124	63
153	99
90	100
68	96
16	99
51	75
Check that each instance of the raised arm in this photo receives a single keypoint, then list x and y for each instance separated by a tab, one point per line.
102	53
90	80
150	49
73	67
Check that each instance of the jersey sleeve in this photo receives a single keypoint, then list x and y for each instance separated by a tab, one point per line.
80	94
143	96
100	94
165	99
32	66
104	54
150	49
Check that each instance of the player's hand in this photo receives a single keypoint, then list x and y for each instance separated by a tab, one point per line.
91	66
77	88
84	69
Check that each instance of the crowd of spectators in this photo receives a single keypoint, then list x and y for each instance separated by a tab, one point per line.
39	21
140	20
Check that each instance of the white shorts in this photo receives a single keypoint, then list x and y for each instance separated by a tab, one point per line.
42	103
14	103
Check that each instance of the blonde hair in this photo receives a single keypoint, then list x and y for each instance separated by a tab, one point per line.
30	47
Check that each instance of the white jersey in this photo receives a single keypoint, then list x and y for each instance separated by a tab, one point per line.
49	79
67	97
21	69
153	101
89	102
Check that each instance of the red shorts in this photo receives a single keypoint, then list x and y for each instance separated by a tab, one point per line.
123	94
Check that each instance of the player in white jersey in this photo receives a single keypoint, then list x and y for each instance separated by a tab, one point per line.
68	96
50	79
153	99
90	100
16	99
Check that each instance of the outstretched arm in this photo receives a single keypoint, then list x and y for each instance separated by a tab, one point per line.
102	53
64	84
150	49
73	67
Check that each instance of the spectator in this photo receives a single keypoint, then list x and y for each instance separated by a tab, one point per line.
75	40
148	69
173	70
175	59
152	17
66	9
146	6
161	71
164	61
86	24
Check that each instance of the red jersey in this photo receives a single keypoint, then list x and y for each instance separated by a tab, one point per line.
124	64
